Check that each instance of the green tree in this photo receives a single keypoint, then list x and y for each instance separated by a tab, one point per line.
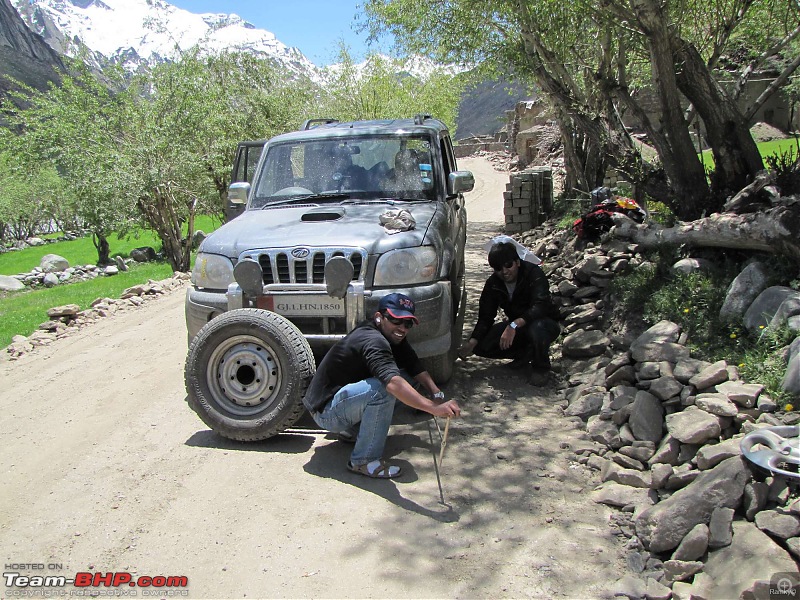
181	133
593	60
21	213
75	129
160	149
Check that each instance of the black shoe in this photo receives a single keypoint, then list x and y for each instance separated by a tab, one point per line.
539	377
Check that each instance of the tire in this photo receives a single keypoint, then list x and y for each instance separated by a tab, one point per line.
260	394
442	366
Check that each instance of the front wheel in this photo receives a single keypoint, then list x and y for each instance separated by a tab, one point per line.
247	372
442	366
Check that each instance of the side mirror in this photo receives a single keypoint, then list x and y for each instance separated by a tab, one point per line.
460	181
238	192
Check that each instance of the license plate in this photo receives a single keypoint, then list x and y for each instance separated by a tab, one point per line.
302	305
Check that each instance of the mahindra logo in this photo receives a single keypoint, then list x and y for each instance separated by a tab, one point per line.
301	252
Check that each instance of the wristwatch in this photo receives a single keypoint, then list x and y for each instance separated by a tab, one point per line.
438	395
513	325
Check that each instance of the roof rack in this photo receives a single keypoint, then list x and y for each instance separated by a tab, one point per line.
312	123
419	118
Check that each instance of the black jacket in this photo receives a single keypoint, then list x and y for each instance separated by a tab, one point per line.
531	299
362	353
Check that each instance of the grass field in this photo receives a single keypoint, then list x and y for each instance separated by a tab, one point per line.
771	148
82	250
22	312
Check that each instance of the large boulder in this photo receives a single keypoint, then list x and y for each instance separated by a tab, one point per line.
143	254
663	526
749	547
693	426
53	263
743	290
791	379
647	417
766	306
10	284
585	344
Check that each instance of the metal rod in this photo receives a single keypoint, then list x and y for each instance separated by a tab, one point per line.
444	441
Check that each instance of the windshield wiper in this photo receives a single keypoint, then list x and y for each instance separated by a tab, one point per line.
306	197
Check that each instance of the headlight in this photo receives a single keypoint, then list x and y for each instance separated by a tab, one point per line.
212	271
407	266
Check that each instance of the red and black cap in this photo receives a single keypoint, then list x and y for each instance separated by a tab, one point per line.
398	306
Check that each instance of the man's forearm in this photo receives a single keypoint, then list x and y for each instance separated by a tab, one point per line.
425	379
403	391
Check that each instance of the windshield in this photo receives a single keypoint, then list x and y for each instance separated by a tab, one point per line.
398	167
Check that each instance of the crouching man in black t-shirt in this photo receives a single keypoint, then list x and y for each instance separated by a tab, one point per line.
354	389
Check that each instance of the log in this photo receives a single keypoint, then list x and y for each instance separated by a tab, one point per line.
776	230
748	200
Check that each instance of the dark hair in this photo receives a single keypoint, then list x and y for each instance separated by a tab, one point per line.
502	253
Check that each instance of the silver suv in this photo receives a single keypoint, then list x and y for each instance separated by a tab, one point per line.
338	215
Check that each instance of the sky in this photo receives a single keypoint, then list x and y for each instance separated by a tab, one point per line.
313	26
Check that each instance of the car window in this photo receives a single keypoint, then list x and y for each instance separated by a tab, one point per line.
363	167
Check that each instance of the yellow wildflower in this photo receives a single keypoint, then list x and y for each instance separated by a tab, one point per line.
788	407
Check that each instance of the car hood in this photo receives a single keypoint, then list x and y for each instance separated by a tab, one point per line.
327	225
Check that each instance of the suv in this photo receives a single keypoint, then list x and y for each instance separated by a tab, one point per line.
338	215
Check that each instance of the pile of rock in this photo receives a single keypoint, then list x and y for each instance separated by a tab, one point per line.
67	320
54	270
664	432
37	241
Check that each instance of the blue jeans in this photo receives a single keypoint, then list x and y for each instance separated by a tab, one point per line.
364	408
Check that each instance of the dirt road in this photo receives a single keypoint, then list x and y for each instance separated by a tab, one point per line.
105	469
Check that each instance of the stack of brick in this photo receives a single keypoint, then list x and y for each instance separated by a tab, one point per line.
528	199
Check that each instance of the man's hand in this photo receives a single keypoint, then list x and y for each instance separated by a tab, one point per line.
507	338
467	348
446	409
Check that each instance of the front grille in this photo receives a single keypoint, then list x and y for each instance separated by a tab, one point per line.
279	266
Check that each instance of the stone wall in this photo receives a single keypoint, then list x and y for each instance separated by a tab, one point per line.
462	149
528	199
667	433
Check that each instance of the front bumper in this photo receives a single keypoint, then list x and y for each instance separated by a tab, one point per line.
430	338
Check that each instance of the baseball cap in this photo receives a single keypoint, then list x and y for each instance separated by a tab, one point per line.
398	306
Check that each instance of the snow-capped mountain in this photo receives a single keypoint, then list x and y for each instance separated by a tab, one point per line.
420	67
132	32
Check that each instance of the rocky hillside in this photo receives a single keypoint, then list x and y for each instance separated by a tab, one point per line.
24	55
670	435
483	106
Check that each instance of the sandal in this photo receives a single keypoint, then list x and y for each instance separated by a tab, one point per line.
377	469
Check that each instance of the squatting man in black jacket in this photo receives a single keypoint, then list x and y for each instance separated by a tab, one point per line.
355	387
521	289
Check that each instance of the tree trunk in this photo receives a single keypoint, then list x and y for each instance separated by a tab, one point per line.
101	244
735	152
674	145
776	231
159	211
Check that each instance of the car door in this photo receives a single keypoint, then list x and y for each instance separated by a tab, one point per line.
244	167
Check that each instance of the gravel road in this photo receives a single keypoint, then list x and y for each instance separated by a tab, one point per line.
106	469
